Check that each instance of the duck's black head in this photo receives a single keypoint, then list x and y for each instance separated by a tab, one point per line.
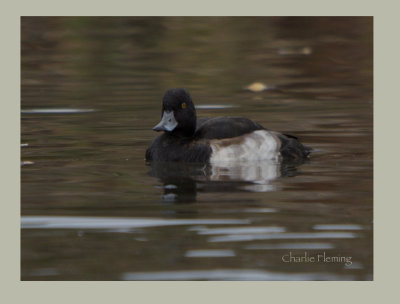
178	115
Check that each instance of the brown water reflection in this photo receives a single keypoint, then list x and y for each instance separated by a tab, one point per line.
228	222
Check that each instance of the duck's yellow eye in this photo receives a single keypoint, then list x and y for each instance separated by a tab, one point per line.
183	105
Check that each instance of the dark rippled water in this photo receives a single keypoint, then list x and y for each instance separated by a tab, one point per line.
92	209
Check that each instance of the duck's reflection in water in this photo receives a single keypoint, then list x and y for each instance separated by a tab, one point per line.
182	181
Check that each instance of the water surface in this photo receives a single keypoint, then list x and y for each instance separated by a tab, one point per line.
92	209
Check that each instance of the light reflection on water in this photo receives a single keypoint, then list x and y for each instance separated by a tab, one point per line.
91	92
56	111
292	246
232	275
213	107
207	253
338	227
281	236
183	181
69	222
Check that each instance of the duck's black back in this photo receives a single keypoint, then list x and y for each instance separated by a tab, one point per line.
225	127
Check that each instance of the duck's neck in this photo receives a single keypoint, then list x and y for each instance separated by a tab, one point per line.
183	132
186	128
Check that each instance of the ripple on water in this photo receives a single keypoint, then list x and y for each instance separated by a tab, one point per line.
306	50
72	222
209	253
242	230
231	275
214	107
281	236
56	111
354	265
43	272
260	210
306	246
338	227
248	210
26	162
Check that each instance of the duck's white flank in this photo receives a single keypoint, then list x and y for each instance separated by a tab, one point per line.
257	145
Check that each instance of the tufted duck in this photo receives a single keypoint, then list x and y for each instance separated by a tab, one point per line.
188	139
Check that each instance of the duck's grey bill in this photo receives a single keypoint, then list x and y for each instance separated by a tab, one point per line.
167	123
